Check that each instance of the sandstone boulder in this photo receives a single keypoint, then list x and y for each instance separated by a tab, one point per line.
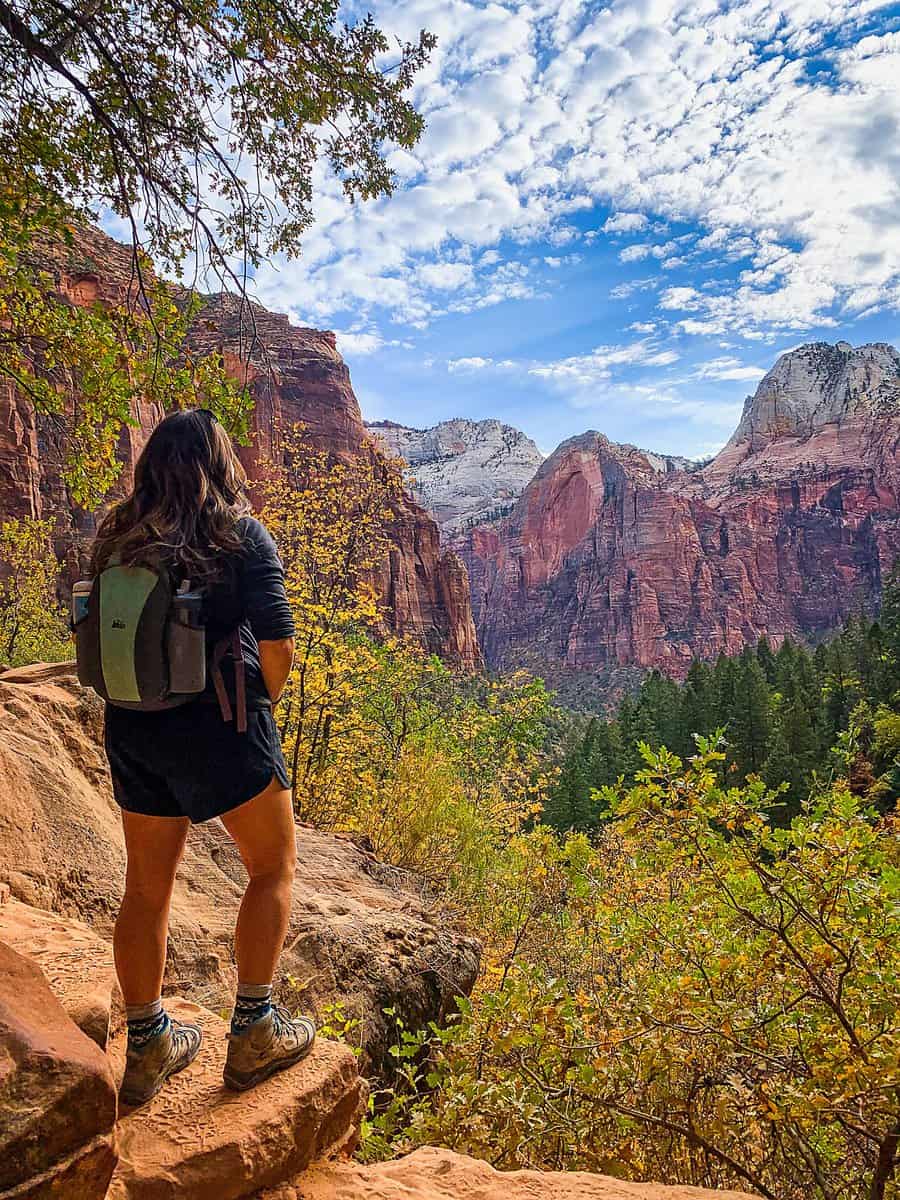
77	964
57	1099
359	933
433	1174
196	1139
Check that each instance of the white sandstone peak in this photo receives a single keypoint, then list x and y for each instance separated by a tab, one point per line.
464	471
817	384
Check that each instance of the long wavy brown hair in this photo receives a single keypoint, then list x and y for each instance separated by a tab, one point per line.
189	493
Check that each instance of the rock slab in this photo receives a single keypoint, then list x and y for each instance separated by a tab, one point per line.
77	964
57	1098
435	1174
196	1139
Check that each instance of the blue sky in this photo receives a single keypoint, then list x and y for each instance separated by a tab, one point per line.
619	215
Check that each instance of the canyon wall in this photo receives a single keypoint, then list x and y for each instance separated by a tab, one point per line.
295	376
614	557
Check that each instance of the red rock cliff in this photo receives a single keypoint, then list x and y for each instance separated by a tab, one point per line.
614	557
296	376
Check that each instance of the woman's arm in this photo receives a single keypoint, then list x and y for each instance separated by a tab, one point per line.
267	609
275	660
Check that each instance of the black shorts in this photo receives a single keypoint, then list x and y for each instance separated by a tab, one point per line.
188	761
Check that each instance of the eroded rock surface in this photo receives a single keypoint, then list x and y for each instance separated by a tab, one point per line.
77	964
197	1139
57	1100
434	1174
615	557
359	933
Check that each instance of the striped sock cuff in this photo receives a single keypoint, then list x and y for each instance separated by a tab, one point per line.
143	1012
253	1001
145	1022
254	991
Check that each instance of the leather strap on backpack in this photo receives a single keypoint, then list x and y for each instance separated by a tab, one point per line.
231	645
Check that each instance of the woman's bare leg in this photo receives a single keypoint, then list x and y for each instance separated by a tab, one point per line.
154	846
263	829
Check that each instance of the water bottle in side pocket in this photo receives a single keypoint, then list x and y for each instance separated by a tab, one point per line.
81	594
187	644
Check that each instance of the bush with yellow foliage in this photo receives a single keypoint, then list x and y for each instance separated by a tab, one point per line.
698	996
33	624
380	737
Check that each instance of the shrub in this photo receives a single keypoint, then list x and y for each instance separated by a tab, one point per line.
700	997
33	624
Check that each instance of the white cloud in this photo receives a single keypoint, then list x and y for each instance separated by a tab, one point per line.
623	290
351	344
584	370
726	368
445	276
655	113
577	371
635	253
625	222
469	364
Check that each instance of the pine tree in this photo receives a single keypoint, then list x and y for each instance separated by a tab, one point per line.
766	659
889	621
637	725
563	804
606	755
785	667
792	756
841	686
699	710
749	727
725	678
659	697
884	645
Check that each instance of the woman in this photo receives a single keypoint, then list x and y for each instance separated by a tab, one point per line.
189	514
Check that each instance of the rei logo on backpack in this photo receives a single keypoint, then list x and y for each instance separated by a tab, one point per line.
141	645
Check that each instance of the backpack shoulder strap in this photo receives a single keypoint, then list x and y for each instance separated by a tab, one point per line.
231	644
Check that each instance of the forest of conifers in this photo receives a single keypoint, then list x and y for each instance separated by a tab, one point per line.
794	716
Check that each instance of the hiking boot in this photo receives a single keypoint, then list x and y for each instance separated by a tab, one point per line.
148	1067
270	1044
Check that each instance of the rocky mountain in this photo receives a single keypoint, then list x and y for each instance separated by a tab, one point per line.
818	385
608	560
464	472
296	376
